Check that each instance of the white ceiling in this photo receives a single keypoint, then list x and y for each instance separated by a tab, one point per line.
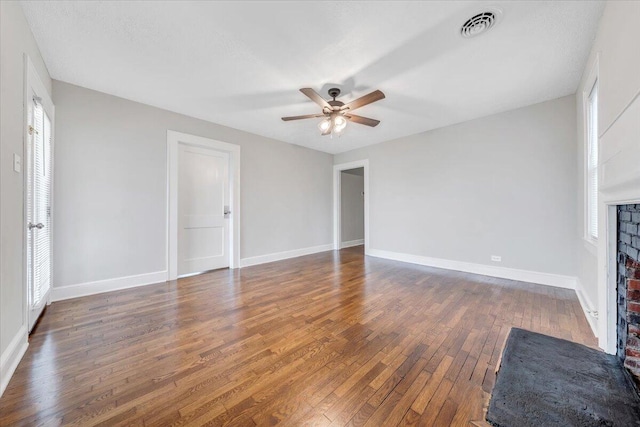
241	64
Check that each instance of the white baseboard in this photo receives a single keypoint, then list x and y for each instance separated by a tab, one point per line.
587	306
557	280
108	285
279	256
11	357
351	243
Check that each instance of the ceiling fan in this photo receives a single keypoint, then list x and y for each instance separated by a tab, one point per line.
336	113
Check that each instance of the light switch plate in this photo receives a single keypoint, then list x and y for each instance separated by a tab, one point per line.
17	163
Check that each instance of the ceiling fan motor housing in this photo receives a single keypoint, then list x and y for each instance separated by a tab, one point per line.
334	92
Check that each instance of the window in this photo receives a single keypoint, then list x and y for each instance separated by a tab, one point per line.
591	119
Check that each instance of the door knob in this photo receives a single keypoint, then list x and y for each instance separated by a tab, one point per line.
39	226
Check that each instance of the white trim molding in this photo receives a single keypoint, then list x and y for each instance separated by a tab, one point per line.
351	243
619	184
173	140
587	307
11	357
279	256
108	285
549	279
337	169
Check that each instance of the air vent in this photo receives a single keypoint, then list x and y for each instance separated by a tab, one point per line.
479	24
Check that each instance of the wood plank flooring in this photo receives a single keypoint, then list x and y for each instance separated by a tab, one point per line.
334	338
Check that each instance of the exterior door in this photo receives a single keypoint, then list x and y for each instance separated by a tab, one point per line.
203	209
39	173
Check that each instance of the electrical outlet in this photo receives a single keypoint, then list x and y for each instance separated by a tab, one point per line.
496	258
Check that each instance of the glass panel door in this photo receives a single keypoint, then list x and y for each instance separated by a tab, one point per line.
39	173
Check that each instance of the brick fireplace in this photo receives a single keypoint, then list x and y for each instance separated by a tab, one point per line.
628	287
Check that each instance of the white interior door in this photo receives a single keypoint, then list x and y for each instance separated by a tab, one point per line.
203	209
39	173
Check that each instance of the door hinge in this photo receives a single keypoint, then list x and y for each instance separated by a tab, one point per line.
32	130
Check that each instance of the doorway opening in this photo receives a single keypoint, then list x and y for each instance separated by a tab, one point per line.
351	205
203	230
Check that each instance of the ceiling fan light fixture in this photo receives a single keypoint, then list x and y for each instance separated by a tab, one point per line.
339	123
324	125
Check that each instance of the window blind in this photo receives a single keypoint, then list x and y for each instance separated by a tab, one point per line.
39	207
592	163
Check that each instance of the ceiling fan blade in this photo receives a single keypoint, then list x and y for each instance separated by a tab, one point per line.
362	101
308	116
315	97
362	120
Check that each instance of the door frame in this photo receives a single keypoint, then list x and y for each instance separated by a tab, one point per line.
337	190
173	140
32	82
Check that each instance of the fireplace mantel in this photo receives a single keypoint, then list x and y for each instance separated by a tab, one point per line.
619	184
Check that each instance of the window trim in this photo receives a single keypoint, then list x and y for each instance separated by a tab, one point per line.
591	81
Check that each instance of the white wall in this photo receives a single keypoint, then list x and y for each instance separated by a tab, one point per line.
351	207
15	40
500	185
617	45
110	188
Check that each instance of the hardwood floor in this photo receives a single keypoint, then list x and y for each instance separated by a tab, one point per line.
334	338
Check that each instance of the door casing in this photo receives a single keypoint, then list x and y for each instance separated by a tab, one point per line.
337	169
33	85
173	140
